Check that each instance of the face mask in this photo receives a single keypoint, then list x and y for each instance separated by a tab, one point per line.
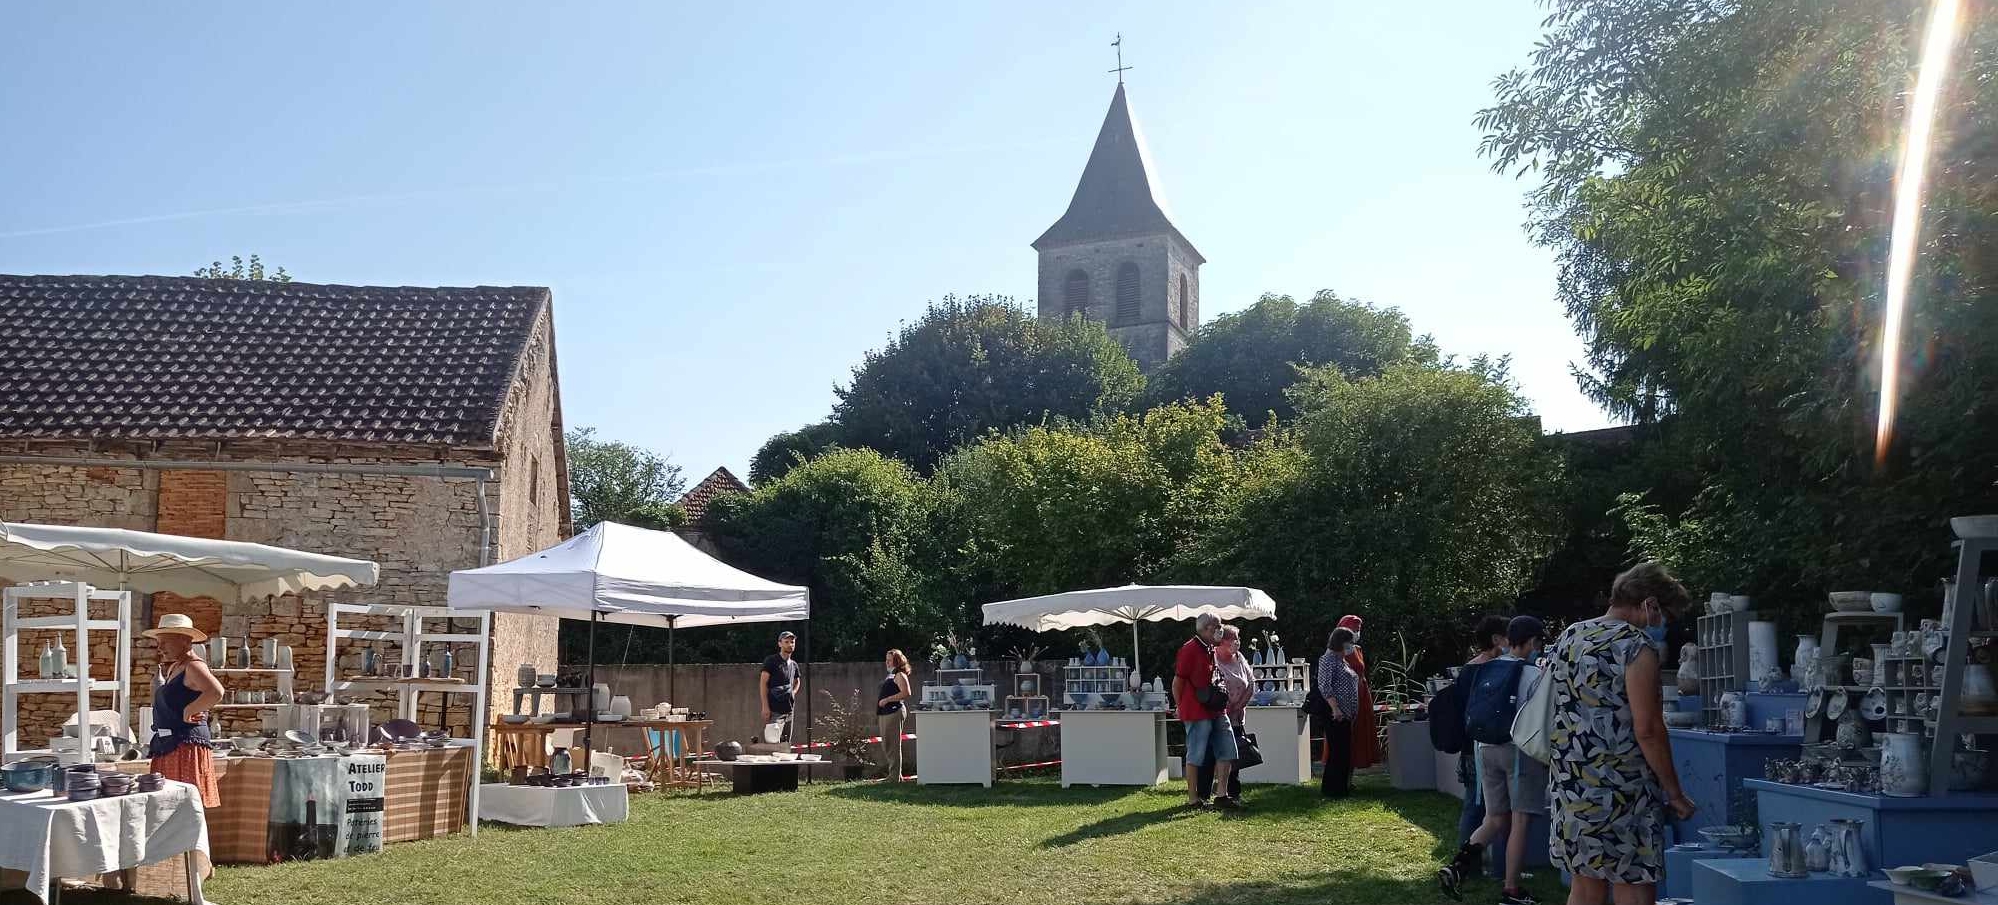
1356	637
1657	632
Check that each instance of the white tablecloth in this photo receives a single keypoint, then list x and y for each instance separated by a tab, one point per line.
50	837
540	806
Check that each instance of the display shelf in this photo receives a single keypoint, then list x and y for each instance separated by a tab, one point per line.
77	626
1958	628
1722	660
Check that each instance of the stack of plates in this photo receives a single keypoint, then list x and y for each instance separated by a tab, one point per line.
83	783
115	784
151	782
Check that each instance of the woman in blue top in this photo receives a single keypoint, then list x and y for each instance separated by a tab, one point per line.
180	748
890	714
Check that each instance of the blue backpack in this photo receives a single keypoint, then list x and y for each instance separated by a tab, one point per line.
1493	702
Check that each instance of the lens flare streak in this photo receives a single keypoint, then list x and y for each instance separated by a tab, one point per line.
1908	184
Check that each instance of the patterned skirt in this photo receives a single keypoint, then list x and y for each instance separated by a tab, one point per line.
194	765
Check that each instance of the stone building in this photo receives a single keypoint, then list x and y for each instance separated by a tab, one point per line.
417	427
1115	256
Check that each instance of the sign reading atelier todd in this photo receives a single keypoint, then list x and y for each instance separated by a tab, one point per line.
365	778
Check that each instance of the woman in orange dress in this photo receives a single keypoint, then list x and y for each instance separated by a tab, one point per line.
1366	743
181	749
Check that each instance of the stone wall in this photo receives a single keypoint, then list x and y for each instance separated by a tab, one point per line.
532	500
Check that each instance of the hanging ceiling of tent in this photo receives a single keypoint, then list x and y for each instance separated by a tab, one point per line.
191	566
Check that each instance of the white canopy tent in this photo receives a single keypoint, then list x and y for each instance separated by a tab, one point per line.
635	576
1131	603
189	566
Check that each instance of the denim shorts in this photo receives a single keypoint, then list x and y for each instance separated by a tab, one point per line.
1210	741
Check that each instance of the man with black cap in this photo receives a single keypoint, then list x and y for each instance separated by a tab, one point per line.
1514	785
780	684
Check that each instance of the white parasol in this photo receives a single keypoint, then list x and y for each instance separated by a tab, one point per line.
1132	603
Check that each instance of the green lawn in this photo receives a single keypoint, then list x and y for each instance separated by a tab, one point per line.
1020	843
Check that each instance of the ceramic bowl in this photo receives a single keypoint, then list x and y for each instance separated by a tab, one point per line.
1883	602
1682	719
1926	879
1851	601
1975	525
1901	875
514	719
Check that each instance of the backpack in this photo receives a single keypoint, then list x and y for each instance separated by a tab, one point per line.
1535	720
1493	701
1446	714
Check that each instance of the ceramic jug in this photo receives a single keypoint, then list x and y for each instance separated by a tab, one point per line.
1904	772
1786	851
1848	853
1689	669
1761	652
600	697
1978	697
1817	852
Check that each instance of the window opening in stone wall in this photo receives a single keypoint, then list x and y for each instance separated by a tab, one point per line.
533	480
1127	293
1075	294
1185	306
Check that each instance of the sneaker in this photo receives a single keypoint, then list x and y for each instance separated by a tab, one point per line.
1448	880
1517	897
1228	803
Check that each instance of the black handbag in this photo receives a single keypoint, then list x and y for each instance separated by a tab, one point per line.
1247	754
1214	695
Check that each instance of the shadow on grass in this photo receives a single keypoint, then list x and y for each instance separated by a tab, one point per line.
1002	794
1332	887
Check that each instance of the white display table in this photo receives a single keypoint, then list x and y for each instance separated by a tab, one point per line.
544	806
51	838
1283	734
1411	761
1112	748
954	747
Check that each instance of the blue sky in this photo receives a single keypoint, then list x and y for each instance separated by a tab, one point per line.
733	202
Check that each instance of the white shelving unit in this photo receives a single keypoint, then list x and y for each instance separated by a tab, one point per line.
410	640
79	623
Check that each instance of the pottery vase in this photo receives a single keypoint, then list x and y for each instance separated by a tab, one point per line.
1817	852
523	675
1804	661
600	697
621	706
963	662
1761	652
1852	731
218	651
1689	669
1977	697
558	762
1904	772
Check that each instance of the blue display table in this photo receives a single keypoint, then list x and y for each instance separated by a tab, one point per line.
1746	881
1712	766
1949	828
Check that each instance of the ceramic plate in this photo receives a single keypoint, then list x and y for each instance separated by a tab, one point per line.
1814	703
1874	705
1835	707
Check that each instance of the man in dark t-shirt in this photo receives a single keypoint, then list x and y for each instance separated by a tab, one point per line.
780	683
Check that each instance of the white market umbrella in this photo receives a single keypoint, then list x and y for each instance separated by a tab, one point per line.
1132	603
635	576
189	566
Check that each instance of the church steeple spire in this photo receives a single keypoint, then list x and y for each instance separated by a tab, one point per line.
1117	195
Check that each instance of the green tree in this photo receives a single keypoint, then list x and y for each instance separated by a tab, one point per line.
1716	180
783	452
971	366
618	482
1416	497
238	270
1251	357
843	525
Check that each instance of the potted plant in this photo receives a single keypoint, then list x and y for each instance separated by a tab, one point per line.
845	728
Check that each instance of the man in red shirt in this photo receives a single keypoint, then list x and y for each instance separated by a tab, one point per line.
1209	738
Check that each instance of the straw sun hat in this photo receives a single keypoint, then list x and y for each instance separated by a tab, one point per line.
177	624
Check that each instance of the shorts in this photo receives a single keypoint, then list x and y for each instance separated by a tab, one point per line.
1511	782
1210	741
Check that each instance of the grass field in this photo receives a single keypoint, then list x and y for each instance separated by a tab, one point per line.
1020	843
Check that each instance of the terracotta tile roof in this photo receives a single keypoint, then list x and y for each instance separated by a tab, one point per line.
151	357
695	501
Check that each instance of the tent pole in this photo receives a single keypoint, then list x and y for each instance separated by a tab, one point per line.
808	697
1134	650
672	677
590	714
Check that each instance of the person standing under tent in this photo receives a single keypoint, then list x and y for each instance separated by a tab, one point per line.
780	684
1201	699
181	749
1366	730
890	714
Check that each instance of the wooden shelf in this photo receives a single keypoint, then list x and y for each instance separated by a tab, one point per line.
58	686
249	671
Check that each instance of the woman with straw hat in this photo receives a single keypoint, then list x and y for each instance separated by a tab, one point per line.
181	747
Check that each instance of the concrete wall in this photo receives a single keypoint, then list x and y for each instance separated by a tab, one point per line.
727	691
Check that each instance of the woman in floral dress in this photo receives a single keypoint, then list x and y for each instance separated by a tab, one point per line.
1612	775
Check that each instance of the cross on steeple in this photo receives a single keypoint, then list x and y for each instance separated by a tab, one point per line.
1121	68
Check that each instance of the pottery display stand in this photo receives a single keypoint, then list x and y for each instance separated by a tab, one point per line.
1283	734
1908	895
1112	748
1963	626
410	640
76	626
954	747
1840	627
1896	831
1723	661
